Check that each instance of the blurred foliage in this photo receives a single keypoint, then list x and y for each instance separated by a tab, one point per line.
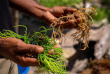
51	3
108	15
106	5
102	12
105	1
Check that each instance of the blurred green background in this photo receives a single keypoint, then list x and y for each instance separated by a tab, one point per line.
102	6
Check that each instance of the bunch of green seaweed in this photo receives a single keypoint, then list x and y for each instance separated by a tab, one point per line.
51	63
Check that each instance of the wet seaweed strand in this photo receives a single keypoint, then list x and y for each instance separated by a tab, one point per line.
52	64
83	27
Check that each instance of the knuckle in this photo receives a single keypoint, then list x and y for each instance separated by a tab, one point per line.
18	46
45	14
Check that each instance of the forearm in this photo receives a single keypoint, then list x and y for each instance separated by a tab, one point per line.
29	6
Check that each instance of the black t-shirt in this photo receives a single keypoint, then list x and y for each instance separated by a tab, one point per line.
5	16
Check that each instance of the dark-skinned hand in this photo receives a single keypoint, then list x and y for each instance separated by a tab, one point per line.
58	11
18	51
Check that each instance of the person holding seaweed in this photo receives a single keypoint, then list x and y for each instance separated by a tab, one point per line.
15	49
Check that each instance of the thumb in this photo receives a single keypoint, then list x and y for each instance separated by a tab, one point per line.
69	10
33	49
48	17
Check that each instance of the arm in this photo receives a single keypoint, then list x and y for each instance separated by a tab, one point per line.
43	13
30	7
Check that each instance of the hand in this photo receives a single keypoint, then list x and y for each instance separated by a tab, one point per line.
17	51
56	12
59	11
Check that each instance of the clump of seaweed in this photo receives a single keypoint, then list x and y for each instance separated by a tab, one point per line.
52	63
82	25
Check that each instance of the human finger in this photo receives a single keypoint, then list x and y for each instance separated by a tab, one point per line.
69	10
29	49
57	46
26	61
48	17
51	52
68	24
33	49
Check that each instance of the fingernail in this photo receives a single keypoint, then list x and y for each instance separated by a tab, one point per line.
40	49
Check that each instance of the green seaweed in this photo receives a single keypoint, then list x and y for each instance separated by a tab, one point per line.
50	63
